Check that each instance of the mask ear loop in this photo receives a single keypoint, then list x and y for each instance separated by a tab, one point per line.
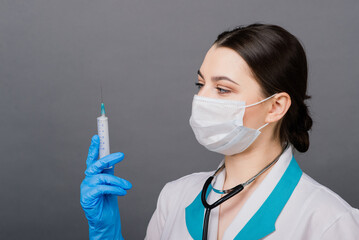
262	126
250	105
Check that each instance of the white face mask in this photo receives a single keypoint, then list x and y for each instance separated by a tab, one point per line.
218	124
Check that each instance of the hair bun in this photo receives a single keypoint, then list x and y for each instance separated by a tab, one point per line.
300	137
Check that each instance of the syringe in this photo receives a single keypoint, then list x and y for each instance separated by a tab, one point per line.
102	130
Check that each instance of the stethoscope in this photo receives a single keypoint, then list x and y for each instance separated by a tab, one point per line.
229	193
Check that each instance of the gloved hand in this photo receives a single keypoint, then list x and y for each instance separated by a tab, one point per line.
99	191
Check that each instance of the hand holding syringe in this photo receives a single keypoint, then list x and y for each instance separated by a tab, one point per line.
99	191
100	188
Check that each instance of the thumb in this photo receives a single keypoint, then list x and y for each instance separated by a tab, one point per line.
93	150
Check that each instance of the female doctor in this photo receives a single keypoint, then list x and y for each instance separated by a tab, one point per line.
251	108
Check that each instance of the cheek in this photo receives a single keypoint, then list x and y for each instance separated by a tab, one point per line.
254	117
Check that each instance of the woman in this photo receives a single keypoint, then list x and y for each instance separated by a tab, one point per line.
250	108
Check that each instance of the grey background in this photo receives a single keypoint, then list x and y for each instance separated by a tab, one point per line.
53	54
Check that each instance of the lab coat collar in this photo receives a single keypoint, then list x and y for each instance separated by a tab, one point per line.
261	209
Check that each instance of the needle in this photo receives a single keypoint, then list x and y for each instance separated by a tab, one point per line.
101	90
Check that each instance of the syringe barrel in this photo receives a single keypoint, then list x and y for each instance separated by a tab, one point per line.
102	130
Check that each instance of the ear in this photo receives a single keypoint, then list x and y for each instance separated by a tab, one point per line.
278	106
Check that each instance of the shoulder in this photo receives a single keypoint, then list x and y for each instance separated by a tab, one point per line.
171	200
323	208
322	197
183	190
190	180
187	182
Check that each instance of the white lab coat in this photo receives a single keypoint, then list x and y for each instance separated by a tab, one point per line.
312	211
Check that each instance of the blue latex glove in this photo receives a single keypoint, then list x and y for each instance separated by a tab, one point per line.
99	191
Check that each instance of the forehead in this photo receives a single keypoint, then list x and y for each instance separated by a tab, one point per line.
227	62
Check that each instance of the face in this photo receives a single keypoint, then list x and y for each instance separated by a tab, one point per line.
225	75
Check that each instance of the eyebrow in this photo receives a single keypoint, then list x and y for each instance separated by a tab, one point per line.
217	78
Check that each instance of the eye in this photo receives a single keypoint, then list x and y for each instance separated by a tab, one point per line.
222	91
199	85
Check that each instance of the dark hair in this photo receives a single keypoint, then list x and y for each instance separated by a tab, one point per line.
278	62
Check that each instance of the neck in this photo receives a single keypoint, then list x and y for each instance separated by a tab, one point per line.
242	166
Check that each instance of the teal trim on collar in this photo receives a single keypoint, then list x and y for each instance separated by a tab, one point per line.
195	216
263	221
216	191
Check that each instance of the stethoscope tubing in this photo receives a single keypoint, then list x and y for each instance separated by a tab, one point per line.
229	193
209	207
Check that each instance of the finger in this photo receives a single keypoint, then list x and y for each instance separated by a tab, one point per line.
93	150
105	162
107	179
106	189
109	170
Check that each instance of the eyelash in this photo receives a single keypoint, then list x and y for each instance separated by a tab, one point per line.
221	90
